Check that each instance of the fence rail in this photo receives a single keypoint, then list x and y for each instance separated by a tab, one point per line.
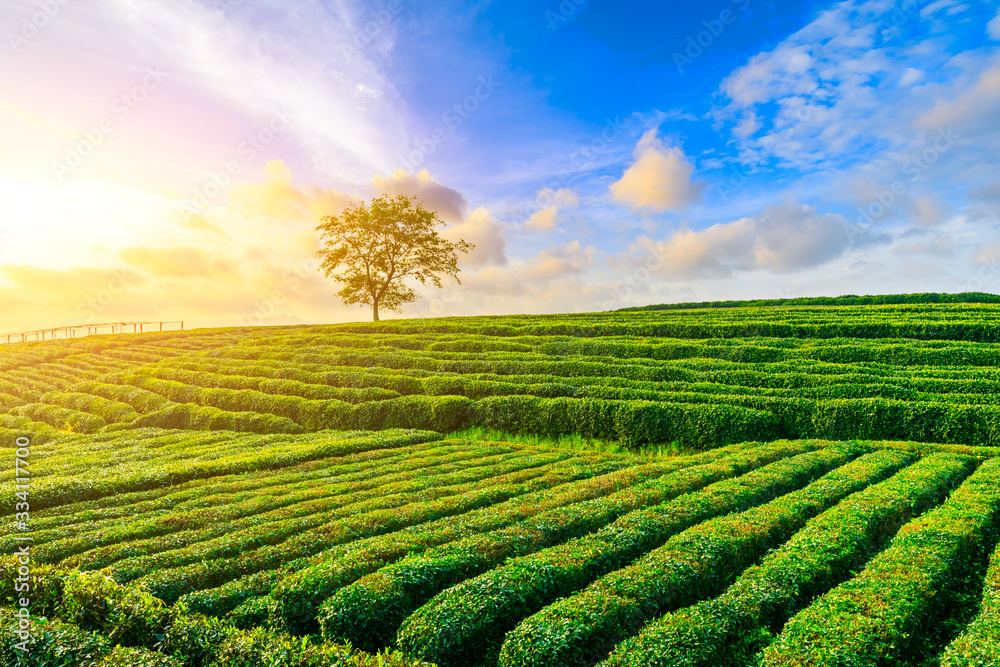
75	331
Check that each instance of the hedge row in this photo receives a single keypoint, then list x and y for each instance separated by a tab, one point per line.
19	390
287	387
107	409
141	400
245	454
200	493
52	642
8	402
186	525
369	611
171	583
189	416
471	619
979	644
602	469
439	413
818	557
904	591
27	426
892	352
114	623
214	504
633	422
62	418
693	565
771	375
693	418
296	599
132	552
307	413
276	368
9	437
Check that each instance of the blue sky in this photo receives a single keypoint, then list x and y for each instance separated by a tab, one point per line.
599	154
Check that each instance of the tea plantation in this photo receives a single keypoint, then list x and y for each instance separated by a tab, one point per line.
292	496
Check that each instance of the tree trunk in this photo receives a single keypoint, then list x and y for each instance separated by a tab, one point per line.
375	311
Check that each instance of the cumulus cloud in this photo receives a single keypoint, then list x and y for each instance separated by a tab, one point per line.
782	238
822	84
199	223
450	204
180	262
539	277
547	218
481	229
976	109
659	179
993	27
278	198
927	211
38	297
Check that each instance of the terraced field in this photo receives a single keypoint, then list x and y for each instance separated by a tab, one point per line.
291	496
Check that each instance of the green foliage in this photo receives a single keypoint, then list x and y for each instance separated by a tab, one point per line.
537	551
693	565
128	616
64	419
108	410
979	644
470	619
122	656
818	557
369	611
903	591
52	643
848	300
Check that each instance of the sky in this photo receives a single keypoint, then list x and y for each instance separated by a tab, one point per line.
171	160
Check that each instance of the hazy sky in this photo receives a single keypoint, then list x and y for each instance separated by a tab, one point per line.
171	159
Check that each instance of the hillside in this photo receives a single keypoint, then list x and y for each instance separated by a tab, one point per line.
701	378
231	497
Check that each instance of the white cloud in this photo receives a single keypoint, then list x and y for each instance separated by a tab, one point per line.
782	238
450	204
993	27
486	233
269	56
975	109
658	179
911	75
546	219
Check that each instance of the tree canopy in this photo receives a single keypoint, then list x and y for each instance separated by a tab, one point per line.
373	249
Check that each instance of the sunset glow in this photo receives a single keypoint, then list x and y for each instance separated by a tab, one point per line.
600	155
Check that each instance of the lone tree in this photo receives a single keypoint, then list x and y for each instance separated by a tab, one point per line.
372	249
